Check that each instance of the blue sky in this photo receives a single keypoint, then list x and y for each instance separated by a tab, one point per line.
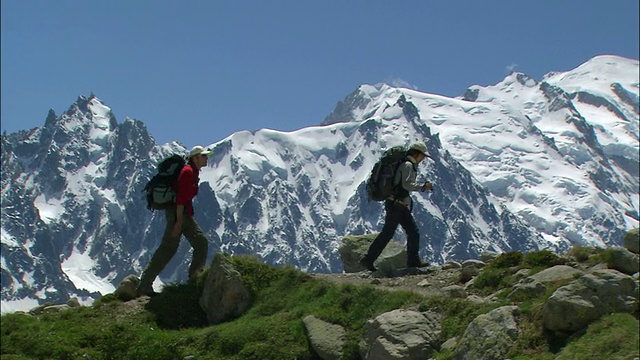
198	71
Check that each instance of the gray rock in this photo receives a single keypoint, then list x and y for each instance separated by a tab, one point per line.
449	265
353	248
470	268
489	336
526	290
631	240
624	260
488	255
326	339
450	344
127	289
40	308
224	296
454	291
556	273
575	306
56	308
522	273
401	334
535	285
73	302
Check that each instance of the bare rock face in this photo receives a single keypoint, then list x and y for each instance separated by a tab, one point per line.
225	297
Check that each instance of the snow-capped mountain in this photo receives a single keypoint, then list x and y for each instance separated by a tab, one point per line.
520	165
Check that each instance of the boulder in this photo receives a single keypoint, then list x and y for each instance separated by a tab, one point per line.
489	336
56	308
556	273
631	240
326	339
449	265
73	302
470	268
454	291
535	285
575	306
401	334
127	289
623	260
354	247
38	310
225	296
488	255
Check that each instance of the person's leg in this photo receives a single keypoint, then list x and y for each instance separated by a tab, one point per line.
408	223
377	246
199	243
162	256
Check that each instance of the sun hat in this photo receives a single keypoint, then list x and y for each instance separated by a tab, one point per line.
419	147
199	150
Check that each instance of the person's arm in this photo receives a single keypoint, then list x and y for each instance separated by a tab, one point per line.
408	177
182	197
177	227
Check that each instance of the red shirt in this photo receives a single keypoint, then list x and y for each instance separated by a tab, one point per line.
187	187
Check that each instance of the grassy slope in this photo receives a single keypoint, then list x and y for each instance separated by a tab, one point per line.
172	326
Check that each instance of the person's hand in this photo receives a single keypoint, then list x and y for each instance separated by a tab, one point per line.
427	186
177	229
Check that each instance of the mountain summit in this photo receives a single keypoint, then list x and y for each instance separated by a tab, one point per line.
520	165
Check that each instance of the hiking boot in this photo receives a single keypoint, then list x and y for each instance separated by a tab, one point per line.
367	264
417	264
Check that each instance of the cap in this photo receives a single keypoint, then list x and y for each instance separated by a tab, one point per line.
419	147
199	150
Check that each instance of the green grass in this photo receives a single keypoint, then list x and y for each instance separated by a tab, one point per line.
173	326
614	337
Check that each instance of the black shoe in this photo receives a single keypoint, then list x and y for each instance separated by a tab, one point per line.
145	291
367	264
417	264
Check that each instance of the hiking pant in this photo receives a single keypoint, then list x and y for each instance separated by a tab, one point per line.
396	214
169	246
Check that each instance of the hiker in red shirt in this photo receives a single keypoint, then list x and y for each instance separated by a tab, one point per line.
180	222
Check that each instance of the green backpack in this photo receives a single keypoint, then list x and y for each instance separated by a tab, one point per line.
380	184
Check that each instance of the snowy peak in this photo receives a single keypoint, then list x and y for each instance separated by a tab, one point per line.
519	165
560	152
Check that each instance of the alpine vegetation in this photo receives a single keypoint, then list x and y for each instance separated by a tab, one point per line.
522	165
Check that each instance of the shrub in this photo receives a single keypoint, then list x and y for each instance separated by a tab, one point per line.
507	260
543	258
492	279
581	253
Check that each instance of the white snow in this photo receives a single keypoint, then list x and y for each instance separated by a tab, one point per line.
11	306
50	209
79	268
8	239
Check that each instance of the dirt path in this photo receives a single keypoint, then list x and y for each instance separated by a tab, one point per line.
428	284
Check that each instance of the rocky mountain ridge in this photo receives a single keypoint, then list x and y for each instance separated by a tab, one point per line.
74	221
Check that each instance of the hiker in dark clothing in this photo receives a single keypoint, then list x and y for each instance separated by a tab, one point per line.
398	211
180	222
